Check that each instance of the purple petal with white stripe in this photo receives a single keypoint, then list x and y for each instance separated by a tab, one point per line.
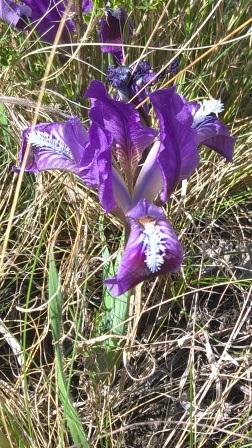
210	130
66	146
54	146
152	249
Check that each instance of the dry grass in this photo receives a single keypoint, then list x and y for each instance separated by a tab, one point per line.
185	376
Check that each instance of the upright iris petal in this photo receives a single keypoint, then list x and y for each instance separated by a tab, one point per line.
152	249
210	130
122	121
96	170
112	28
165	164
177	138
97	159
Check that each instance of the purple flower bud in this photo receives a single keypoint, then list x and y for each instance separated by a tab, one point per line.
113	27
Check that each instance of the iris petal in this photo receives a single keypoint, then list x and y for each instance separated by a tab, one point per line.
45	15
66	146
210	130
54	146
149	182
152	249
96	166
13	14
122	121
177	142
213	133
96	170
111	32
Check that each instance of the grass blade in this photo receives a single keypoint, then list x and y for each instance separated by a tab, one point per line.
55	311
4	442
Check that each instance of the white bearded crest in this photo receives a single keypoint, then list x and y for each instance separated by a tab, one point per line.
43	140
154	246
207	107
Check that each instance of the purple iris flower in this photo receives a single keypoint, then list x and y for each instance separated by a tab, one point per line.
133	167
67	146
44	14
112	28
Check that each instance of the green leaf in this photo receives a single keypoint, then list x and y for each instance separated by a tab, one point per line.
55	313
4	126
115	312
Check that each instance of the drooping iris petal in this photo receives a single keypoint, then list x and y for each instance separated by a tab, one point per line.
75	137
14	14
210	130
112	28
216	135
54	146
152	249
177	143
122	121
66	146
